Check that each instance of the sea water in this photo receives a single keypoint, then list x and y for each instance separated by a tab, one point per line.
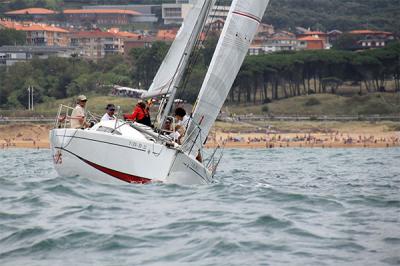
269	207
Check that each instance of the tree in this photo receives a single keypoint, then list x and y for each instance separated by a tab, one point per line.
147	61
345	42
12	37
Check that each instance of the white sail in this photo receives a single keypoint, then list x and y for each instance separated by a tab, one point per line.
177	57
240	27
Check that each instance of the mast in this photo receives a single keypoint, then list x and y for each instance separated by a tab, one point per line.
175	62
171	71
241	25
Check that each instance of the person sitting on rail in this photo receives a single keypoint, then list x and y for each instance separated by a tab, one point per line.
78	114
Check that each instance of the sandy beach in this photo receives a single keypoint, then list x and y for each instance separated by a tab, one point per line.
353	135
24	136
309	140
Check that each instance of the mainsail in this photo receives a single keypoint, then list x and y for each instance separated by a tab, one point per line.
240	27
172	68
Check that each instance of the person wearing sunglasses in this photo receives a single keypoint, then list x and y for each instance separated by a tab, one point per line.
109	115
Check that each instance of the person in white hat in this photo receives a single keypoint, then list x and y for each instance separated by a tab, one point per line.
78	114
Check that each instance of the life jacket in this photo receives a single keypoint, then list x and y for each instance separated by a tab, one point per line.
140	115
146	118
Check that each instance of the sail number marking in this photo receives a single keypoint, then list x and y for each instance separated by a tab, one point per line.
139	146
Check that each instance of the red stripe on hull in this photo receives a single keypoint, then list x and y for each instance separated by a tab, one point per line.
122	176
248	15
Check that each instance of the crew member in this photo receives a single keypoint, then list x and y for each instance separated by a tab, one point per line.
78	114
109	115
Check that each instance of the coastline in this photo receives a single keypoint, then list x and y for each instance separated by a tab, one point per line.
335	139
36	136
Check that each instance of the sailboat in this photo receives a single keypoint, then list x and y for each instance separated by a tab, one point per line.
116	150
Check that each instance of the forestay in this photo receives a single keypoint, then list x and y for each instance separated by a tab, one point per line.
178	55
241	25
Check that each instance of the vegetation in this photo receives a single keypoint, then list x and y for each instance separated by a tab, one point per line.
283	14
12	37
271	77
262	79
339	14
331	105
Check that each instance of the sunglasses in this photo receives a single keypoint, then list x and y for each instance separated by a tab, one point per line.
112	110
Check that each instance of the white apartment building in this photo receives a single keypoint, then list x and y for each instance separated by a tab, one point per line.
175	13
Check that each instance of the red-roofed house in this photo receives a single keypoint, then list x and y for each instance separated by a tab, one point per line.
97	44
100	16
166	35
312	36
274	44
40	34
367	39
124	34
278	41
138	42
33	14
32	11
311	43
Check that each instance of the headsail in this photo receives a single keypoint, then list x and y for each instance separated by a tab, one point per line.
240	27
178	55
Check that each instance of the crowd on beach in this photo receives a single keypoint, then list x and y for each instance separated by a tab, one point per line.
275	140
23	142
333	139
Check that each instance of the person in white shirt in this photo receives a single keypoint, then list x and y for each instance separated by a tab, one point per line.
78	114
182	119
109	115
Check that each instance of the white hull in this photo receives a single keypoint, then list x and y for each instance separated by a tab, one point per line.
128	156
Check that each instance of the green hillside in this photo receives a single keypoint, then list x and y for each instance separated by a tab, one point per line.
327	104
311	105
338	14
283	14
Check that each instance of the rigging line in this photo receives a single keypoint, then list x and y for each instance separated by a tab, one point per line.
197	53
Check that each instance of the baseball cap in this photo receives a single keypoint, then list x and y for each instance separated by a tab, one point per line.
82	98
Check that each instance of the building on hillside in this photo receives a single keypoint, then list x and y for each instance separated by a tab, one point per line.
334	35
147	13
265	30
40	34
278	41
100	16
310	43
32	14
367	39
273	44
124	34
138	42
216	25
97	44
10	55
175	13
313	38
166	35
218	12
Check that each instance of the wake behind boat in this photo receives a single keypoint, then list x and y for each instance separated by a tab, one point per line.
135	153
